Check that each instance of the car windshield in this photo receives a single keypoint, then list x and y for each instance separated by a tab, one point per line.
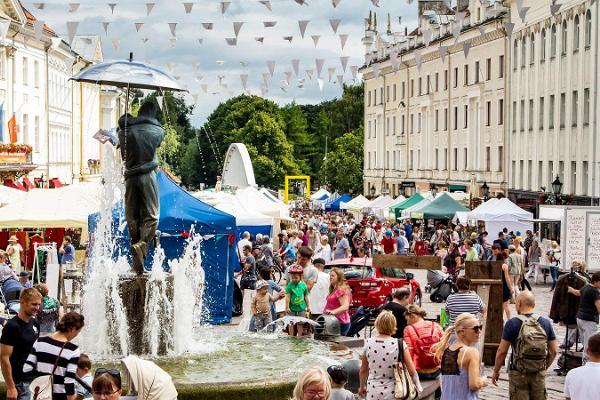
354	271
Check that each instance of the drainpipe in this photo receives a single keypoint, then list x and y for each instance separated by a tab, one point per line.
507	117
449	138
80	131
595	117
47	48
407	115
385	132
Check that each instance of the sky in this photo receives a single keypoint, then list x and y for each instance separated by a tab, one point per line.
207	66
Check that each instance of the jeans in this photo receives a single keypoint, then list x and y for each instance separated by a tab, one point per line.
23	392
344	329
262	321
554	275
586	329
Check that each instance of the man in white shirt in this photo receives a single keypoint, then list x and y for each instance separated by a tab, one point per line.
402	243
242	243
580	383
320	289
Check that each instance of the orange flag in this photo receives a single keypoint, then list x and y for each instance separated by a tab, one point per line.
13	129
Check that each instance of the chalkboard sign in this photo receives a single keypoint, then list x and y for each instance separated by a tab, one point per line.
574	248
593	245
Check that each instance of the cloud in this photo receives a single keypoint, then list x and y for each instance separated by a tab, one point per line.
188	52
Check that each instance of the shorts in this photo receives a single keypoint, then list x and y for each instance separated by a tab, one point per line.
298	314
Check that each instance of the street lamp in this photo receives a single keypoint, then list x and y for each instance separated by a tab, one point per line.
434	190
485	191
372	190
557	186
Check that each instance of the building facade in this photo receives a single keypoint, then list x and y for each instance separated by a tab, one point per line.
553	92
435	107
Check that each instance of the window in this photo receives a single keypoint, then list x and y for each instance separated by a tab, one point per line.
369	129
419	123
381	95
412	123
501	67
403	90
514	115
576	34
445	119
531	114
455	166
588	29
522	116
412	88
541	114
394	127
488	161
515	54
437	81
25	128
550	172
36	137
540	174
25	71
420	86
428	88
466	118
543	47
411	160
500	158
488	113
532	49
585	178
456	77
394	92
553	42
437	116
573	176
488	69
374	129
501	112
563	105
369	98
387	93
523	52
521	174
36	74
446	161
446	80
402	125
375	97
387	126
529	174
437	159
476	71
586	106
455	126
574	107
551	113
466	80
563	39
465	159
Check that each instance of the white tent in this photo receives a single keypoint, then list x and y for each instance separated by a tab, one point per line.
504	214
244	216
256	201
482	209
423	203
463	217
9	195
319	193
355	205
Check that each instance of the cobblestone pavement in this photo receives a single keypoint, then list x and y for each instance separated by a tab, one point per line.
554	383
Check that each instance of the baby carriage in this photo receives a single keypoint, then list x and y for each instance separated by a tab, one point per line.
359	321
440	285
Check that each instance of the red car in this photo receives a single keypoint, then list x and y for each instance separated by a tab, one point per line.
373	286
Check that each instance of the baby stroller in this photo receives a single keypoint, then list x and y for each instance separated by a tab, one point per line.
10	290
440	285
359	321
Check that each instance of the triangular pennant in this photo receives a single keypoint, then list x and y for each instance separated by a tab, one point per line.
309	73
38	29
376	70
149	7
331	72
224	6
260	39
265	77
231	41
554	8
145	40
236	28
466	48
343	39
340	80
267	4
335	3
522	13
39	6
394	60
335	23
112	7
481	29
4	25
344	61
116	42
173	41
354	71
56	41
159	100
208	25
418	59
296	66
315	39
105	27
288	38
72	30
244	79
319	63
188	7
456	31
173	28
443	52
269	24
288	77
271	67
200	40
320	82
375	3
460	16
302	25
73	7
195	97
138	26
509	27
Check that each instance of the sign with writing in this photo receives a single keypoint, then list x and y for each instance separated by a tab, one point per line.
593	245
575	240
10	158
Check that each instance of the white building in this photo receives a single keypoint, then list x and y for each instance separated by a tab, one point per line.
441	121
553	92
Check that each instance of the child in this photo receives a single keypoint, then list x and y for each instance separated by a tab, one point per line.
84	366
297	303
339	377
261	305
266	274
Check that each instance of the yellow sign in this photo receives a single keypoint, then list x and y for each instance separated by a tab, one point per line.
13	158
286	194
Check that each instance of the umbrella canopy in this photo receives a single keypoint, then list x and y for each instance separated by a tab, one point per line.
131	74
148	380
443	207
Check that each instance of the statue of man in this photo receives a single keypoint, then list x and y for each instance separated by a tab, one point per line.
139	138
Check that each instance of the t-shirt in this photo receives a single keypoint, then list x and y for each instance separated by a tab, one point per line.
579	382
262	303
241	244
513	327
458	303
80	390
47	316
398	310
340	249
388	245
402	245
21	336
69	254
297	293
502	243
472	255
310	273
319	292
587	303
341	394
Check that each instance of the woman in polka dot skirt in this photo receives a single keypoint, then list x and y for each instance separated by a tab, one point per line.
379	359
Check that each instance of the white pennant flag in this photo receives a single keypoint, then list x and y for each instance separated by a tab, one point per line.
418	59
394	60
170	67
269	24
105	27
138	26
456	32
173	41
72	30
244	79
354	70
443	52
236	28
39	6
267	4
112	7
288	77
296	66
376	70
481	29
343	39
340	80
319	63
73	7
522	13
173	28
335	23
159	100
265	76
315	39
302	25
320	82
4	25
509	26
200	41
271	67
260	39
375	3
188	7
555	7
331	72
427	34
460	16
208	25
466	49
309	73
288	38
116	42
224	6
145	40
231	41
335	3
344	61
38	29
149	7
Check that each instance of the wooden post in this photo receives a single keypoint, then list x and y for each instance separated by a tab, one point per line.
486	280
407	262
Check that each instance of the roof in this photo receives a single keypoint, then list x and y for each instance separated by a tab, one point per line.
411	201
443	207
31	19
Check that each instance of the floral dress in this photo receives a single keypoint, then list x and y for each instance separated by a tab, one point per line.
382	356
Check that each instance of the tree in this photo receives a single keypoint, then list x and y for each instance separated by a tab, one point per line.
296	130
168	152
343	169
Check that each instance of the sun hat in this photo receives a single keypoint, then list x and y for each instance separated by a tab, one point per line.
261	284
13	238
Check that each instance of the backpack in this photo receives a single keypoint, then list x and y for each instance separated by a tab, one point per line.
531	347
427	359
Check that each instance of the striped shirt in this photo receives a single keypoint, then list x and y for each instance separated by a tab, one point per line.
41	362
458	303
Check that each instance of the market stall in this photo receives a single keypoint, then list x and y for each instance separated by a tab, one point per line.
442	207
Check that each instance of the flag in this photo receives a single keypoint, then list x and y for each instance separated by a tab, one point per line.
13	129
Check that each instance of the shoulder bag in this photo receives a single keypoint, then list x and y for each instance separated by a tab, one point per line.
405	388
41	387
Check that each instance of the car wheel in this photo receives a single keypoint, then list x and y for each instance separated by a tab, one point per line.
417	299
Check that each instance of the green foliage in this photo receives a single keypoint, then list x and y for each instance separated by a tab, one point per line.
343	168
168	152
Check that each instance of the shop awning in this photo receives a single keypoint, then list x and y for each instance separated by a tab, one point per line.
457	188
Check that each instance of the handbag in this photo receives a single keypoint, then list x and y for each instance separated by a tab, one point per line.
41	387
405	388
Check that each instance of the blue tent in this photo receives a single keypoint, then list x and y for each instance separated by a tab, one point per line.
335	205
179	211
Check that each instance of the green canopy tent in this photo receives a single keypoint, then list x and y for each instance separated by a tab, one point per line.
411	201
443	207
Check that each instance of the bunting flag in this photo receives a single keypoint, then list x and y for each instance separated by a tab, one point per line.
301	2
4	25
208	25
481	29
320	82
354	71
335	23
331	72
38	29
173	28
271	67
224	6
466	48
288	77
200	41
302	25
116	42
319	64
344	62
112	7
105	27
427	34
39	6
188	7
173	41
340	80
509	27
244	79
260	39
460	16
456	32
288	38
267	4
145	40
443	52
269	24
309	73
236	28
231	41
343	39
315	39
522	13
335	3
296	66
265	76
138	26
376	70
554	8
394	60
149	7
418	59
375	3
73	7
72	30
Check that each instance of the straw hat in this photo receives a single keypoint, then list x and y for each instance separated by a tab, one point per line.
13	238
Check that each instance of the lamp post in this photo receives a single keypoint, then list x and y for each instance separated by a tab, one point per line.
557	186
434	190
485	191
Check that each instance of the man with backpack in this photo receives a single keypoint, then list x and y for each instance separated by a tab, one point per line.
534	348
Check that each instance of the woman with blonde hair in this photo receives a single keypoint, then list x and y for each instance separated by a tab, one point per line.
323	249
461	378
314	384
381	357
338	300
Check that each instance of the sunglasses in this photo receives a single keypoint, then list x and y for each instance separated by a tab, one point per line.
476	328
115	373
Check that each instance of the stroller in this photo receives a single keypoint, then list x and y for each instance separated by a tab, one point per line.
10	291
440	285
359	321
